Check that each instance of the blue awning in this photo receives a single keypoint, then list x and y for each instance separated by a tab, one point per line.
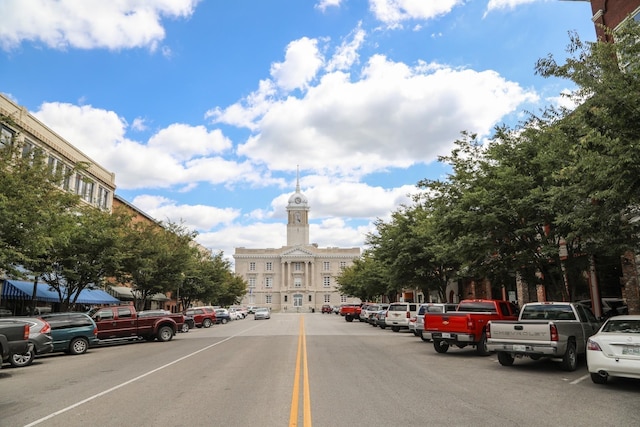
17	289
20	290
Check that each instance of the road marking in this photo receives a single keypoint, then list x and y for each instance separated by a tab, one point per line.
579	379
301	361
139	377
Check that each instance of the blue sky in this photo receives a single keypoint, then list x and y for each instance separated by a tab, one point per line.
204	109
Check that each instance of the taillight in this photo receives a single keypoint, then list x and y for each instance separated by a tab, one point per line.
95	332
46	328
25	332
470	324
408	315
487	330
386	313
592	345
554	332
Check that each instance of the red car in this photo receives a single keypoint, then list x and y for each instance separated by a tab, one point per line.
203	317
327	309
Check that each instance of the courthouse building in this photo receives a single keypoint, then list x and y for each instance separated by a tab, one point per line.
299	276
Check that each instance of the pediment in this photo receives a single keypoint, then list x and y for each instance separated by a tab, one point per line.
297	252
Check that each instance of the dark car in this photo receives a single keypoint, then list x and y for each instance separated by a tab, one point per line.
73	333
381	319
223	316
327	309
39	337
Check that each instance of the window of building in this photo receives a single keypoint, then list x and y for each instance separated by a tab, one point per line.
326	266
327	298
252	266
310	298
84	187
268	282
343	298
252	282
297	282
27	149
326	281
286	298
269	266
297	266
6	136
103	197
297	300
267	299
343	264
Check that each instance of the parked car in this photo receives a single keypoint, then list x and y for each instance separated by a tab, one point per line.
614	351
399	314
39	337
326	308
234	314
261	313
430	307
73	333
610	306
381	319
222	315
203	317
14	339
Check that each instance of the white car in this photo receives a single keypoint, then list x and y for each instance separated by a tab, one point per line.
614	351
261	313
234	314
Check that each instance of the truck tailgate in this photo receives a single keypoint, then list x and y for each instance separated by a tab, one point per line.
513	332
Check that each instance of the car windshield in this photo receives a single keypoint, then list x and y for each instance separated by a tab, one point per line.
622	326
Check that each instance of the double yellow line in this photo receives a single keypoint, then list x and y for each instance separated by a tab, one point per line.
301	362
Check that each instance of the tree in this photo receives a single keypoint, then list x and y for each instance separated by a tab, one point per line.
83	253
365	279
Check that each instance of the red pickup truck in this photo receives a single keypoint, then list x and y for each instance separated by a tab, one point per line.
122	321
466	326
350	311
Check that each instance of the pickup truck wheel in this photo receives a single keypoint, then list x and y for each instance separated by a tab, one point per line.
348	318
440	346
206	323
78	346
505	359
570	358
165	333
20	360
481	347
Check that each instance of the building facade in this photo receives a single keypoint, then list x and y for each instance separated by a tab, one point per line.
299	276
95	185
611	13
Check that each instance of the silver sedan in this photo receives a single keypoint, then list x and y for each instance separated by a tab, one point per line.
261	313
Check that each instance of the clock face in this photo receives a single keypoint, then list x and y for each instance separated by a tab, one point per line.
298	200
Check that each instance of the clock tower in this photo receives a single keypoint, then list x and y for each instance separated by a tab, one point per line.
297	218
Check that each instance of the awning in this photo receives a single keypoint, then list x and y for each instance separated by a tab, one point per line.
126	293
122	292
20	290
96	296
17	289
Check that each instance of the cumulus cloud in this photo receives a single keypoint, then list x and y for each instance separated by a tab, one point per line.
88	24
325	4
387	114
507	4
394	12
302	62
179	154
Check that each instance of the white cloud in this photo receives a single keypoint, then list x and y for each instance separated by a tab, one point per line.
325	4
301	64
177	155
507	4
394	12
393	115
347	53
195	217
88	24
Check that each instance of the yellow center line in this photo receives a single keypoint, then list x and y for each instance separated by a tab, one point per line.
301	359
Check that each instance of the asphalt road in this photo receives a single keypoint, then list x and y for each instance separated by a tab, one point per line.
305	370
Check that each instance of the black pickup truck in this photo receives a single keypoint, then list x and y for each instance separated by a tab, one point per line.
14	338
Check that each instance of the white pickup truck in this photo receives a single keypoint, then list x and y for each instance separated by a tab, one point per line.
544	329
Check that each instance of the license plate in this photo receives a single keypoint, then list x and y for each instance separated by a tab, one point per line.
446	335
519	348
632	351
